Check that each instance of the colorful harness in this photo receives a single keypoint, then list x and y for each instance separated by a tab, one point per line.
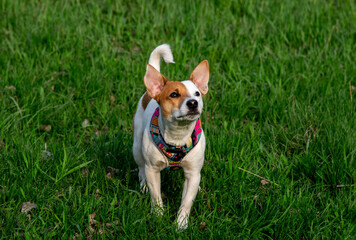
174	153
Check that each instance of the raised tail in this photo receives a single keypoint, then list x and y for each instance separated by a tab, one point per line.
162	51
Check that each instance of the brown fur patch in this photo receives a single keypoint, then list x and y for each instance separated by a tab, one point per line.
145	100
167	103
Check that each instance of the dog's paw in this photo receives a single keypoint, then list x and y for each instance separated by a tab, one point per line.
157	210
182	223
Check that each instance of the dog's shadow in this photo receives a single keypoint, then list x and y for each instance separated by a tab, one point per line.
116	159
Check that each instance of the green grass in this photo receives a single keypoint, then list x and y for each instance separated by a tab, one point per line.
281	106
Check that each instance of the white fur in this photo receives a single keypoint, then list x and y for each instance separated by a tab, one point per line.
162	51
176	130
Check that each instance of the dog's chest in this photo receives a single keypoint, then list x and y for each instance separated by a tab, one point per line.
174	154
157	152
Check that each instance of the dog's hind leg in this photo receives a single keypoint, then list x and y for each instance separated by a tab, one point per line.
141	169
137	146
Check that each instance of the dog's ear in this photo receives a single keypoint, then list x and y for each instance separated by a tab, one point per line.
200	77
154	82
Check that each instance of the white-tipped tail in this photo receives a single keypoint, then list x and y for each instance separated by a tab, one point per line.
162	51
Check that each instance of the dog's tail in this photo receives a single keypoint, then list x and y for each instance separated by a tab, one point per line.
162	51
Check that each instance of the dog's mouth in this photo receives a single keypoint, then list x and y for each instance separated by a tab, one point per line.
190	115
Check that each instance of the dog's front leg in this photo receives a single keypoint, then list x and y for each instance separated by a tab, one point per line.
190	189
153	177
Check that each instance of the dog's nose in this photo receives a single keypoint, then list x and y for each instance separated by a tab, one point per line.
192	104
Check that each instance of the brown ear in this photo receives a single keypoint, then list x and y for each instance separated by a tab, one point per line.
154	81
200	77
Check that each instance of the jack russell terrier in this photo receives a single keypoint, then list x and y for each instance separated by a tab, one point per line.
168	132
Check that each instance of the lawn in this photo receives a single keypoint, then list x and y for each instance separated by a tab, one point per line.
279	118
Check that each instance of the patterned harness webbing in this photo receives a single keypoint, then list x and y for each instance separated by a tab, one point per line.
174	153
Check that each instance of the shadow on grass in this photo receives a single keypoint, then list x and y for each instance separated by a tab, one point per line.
115	156
114	153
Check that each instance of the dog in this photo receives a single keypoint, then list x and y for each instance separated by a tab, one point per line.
168	133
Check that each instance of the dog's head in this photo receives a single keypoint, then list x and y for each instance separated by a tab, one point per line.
180	101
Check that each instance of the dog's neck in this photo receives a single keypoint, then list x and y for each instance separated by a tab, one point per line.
176	133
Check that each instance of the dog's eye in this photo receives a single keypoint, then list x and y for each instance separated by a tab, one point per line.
174	95
197	94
